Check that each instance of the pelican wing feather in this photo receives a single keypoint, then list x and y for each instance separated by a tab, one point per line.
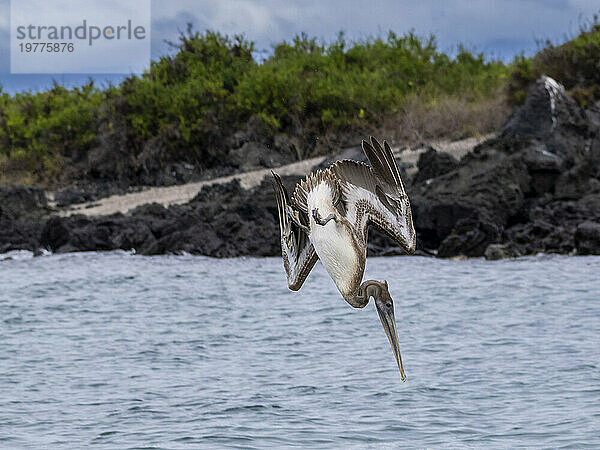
298	253
375	195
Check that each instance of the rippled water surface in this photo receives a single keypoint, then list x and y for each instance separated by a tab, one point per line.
117	351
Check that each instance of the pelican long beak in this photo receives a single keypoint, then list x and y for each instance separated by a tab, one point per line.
385	309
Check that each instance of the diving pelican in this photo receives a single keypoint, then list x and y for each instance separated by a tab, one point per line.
327	218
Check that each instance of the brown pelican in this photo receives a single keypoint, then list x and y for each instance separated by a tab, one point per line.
327	218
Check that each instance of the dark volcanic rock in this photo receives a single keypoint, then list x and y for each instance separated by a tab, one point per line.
18	202
21	234
550	116
254	155
81	192
54	234
527	190
470	237
21	210
435	219
587	238
433	163
466	209
223	220
544	168
71	195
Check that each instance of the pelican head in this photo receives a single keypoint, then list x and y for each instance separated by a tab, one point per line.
385	309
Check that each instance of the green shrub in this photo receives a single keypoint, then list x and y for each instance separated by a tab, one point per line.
178	92
340	84
38	130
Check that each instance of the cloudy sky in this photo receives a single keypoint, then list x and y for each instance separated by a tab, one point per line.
500	28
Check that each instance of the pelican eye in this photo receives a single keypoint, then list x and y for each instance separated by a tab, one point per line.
388	304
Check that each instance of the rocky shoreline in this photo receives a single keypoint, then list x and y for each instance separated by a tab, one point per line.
535	187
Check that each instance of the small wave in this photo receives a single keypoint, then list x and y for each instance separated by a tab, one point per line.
16	255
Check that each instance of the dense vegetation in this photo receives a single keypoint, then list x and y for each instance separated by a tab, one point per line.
38	131
190	104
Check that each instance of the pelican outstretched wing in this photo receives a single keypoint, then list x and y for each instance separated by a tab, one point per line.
298	253
376	195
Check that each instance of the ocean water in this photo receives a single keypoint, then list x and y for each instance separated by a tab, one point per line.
114	350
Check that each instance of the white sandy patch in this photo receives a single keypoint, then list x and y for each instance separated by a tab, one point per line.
176	195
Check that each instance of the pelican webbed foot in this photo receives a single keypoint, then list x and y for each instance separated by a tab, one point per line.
295	217
320	221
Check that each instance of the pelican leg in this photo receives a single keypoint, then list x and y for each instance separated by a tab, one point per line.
320	221
295	217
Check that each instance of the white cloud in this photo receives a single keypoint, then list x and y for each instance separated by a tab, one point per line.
480	24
